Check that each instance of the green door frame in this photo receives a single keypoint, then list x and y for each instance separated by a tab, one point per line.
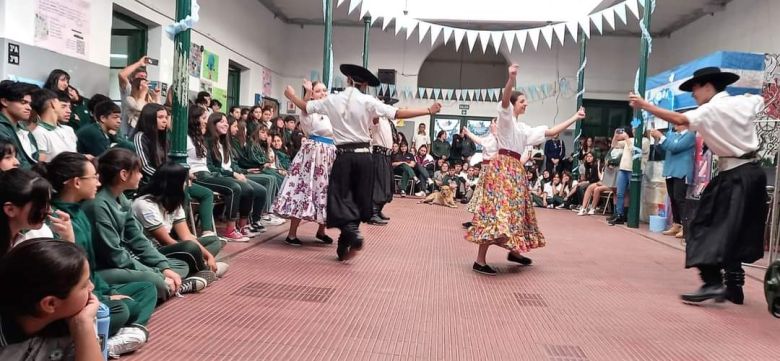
605	125
137	43
233	87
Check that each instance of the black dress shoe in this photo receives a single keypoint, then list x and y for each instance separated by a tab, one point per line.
293	242
735	295
324	238
483	269
717	292
383	216
467	225
377	221
523	260
617	220
342	253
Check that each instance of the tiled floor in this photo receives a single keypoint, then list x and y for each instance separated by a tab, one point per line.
594	293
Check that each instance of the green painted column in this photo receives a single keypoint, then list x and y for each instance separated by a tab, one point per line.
180	86
580	95
328	48
366	30
636	174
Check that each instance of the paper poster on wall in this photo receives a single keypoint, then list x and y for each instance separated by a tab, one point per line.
480	128
210	69
266	81
63	26
206	86
195	60
450	126
221	95
258	99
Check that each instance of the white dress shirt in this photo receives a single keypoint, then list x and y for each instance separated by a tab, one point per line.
726	124
382	133
489	147
515	135
351	114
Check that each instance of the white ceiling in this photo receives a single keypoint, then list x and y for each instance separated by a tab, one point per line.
669	16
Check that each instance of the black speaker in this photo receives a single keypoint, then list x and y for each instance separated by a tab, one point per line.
387	76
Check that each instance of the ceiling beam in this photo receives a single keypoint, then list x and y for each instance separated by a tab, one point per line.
278	13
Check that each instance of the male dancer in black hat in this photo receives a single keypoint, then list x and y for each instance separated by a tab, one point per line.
728	226
350	188
383	134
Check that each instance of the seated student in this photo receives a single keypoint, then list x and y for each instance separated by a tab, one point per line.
554	191
439	175
403	164
74	179
8	153
52	309
122	251
256	156
93	102
568	193
51	111
159	208
282	154
14	111
96	138
592	195
151	138
80	114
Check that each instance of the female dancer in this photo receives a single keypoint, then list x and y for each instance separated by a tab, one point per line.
304	192
505	214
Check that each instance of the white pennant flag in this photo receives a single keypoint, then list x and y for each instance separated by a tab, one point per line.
420	93
534	35
447	34
374	19
634	7
597	20
572	26
560	32
457	94
339	3
383	88
458	33
364	8
353	4
620	11
484	38
449	94
386	21
471	37
509	39
472	95
547	33
435	31
410	26
436	93
496	36
423	30
585	26
521	36
609	16
400	23
392	89
484	94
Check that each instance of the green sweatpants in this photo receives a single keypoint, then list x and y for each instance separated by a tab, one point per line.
205	198
134	310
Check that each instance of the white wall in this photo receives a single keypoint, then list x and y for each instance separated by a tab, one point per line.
745	25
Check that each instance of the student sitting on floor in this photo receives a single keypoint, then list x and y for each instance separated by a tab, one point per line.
47	311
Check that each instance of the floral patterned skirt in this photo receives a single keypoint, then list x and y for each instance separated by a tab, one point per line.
477	196
304	192
505	213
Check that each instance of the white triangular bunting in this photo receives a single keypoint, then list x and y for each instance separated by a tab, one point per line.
339	3
364	8
534	35
400	23
435	31
560	32
609	16
597	21
585	26
353	4
496	36
436	93
391	87
547	33
634	7
410	26
420	93
472	95
509	39
457	94
620	11
483	92
471	37
383	88
386	21
449	94
447	33
423	30
458	33
572	26
484	38
521	36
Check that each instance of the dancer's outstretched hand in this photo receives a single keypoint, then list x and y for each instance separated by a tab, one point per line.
636	101
289	92
513	69
580	114
307	85
435	108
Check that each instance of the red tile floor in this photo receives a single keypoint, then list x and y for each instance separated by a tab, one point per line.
594	293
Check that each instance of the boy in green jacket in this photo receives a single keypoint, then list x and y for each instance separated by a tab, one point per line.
97	137
14	109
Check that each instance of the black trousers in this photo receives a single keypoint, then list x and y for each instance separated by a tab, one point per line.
350	190
711	274
676	188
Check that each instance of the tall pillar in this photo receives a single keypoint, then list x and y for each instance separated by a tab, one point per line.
580	95
180	86
366	30
327	56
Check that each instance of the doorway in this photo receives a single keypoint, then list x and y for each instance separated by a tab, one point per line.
128	44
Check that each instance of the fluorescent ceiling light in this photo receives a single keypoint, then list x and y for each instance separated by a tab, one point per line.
485	10
119	56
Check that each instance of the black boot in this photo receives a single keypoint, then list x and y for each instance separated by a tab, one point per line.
712	288
734	282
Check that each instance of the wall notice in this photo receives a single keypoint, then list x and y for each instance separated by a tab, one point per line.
266	82
63	26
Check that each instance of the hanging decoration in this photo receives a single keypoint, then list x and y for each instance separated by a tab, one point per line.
538	92
597	20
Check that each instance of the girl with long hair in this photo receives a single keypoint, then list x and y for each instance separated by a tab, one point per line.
151	138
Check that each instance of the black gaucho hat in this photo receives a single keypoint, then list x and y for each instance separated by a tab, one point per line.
359	74
709	75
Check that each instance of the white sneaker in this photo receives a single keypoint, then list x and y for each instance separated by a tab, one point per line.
126	340
430	181
582	212
592	211
420	194
222	268
273	221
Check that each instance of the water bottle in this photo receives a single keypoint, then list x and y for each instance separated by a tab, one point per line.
102	324
661	211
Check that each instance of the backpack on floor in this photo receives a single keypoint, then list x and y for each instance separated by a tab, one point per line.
772	288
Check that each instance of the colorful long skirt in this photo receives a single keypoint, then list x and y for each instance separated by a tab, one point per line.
477	196
304	192
505	213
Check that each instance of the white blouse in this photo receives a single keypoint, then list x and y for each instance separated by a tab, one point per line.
351	114
489	147
515	135
317	124
196	163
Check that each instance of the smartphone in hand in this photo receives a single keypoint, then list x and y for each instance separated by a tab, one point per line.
152	61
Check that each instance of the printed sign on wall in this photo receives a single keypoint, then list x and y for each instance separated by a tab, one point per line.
63	26
210	69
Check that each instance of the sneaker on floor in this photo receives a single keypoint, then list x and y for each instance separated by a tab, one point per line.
467	225
235	236
617	220
483	269
222	268
420	194
293	242
126	340
192	285
582	212
430	181
591	212
208	275
208	234
273	221
403	194
246	231
324	238
560	207
258	226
